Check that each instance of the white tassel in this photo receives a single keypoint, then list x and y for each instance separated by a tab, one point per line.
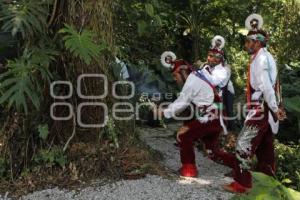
163	57
214	42
250	18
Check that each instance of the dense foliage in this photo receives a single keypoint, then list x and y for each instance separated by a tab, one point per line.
49	48
288	161
51	40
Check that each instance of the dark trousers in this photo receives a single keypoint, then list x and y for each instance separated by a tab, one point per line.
208	133
256	138
228	99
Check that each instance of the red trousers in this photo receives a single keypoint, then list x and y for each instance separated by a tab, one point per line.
256	138
208	133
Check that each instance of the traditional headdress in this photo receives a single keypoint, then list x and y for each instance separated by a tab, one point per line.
254	24
168	60
217	44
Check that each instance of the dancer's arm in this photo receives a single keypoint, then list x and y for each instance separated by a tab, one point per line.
184	98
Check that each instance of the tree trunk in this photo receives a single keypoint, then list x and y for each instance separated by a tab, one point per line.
196	48
96	16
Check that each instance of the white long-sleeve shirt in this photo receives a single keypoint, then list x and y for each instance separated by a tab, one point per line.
218	76
195	90
263	74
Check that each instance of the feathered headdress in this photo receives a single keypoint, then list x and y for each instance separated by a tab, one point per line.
254	24
169	60
217	44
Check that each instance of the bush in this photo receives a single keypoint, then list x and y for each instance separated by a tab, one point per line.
52	157
288	162
290	129
267	188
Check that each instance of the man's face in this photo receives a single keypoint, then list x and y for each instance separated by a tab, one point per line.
251	46
212	59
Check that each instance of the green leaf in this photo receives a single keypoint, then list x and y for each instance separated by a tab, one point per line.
267	188
27	17
61	161
286	180
43	131
149	9
21	84
81	44
158	20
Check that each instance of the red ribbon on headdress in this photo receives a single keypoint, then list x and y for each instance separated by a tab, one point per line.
180	62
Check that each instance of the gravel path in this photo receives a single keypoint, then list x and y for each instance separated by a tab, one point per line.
205	187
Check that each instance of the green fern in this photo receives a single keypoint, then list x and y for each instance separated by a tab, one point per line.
81	44
21	83
29	17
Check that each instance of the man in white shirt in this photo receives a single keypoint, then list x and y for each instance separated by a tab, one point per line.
216	71
256	137
200	90
180	70
221	71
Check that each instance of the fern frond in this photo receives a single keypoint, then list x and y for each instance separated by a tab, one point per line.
82	44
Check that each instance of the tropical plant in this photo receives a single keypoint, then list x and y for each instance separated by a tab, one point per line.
52	157
155	20
29	17
21	84
287	164
193	22
266	188
289	76
151	21
81	44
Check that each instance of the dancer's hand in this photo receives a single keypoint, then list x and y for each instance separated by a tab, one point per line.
281	114
181	131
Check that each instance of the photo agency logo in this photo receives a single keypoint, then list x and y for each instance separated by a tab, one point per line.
77	112
126	110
